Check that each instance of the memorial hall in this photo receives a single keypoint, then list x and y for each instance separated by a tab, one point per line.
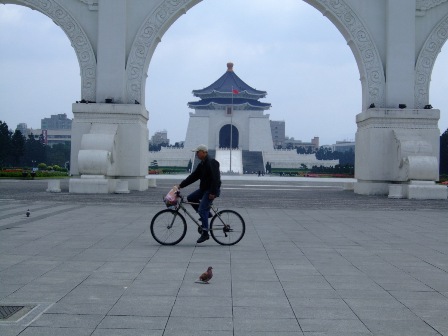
229	119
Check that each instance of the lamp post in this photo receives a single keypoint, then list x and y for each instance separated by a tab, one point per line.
231	133
33	172
234	91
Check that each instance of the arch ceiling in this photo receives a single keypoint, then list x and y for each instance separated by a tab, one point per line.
426	60
155	25
77	37
337	11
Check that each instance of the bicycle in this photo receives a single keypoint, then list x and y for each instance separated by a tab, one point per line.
169	227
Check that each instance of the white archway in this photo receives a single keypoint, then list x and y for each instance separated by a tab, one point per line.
342	16
426	60
78	39
395	143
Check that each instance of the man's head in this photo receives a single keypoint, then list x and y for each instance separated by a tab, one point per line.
201	151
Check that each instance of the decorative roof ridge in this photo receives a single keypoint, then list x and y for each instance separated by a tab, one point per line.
228	83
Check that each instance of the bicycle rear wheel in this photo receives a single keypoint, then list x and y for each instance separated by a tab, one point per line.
168	227
227	227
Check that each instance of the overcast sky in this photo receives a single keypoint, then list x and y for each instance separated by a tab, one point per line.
284	47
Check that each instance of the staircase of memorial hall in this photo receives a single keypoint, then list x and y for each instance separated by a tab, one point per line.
226	165
252	162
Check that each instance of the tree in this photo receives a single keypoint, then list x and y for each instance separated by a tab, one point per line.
17	147
301	150
58	154
444	153
34	150
324	153
347	157
179	145
157	148
5	144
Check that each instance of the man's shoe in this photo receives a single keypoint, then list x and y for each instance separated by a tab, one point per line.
203	237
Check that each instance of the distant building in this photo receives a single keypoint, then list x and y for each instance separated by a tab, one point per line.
56	122
55	130
160	138
278	133
26	132
280	140
23	128
343	146
292	143
52	137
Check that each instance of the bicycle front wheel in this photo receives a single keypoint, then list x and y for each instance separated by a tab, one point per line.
168	227
227	227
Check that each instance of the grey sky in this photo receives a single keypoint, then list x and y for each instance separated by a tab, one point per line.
285	47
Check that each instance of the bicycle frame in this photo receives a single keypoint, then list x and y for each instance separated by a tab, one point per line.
180	206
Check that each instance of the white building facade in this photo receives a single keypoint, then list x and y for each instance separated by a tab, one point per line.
229	104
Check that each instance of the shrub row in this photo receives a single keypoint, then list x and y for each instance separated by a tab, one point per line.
168	170
27	174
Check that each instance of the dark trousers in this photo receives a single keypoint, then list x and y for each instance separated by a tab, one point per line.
203	208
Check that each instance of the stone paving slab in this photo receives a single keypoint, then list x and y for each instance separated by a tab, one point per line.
94	269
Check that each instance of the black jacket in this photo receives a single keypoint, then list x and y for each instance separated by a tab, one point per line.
208	172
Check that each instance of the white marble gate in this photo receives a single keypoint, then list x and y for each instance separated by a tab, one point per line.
395	44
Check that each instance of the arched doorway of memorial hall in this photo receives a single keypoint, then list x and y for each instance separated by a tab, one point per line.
227	140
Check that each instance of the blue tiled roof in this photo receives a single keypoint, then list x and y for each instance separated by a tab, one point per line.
226	83
220	94
210	103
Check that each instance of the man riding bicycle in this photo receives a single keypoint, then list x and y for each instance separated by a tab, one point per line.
209	175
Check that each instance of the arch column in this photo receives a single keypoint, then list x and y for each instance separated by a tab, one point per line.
397	145
111	51
400	53
110	138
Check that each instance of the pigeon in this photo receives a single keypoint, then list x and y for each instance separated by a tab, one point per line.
28	213
206	276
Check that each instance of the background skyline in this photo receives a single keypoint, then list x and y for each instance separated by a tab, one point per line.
285	47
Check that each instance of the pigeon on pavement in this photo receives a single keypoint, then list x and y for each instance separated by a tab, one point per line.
206	276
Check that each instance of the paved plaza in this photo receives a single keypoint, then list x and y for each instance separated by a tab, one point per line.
316	260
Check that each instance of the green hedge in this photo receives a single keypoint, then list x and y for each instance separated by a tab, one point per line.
39	174
10	174
45	174
289	171
167	170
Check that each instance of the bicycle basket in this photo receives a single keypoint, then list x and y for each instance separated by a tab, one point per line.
171	198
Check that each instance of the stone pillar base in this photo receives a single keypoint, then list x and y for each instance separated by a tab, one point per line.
118	133
92	184
136	183
54	186
152	183
418	190
122	187
394	146
371	188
